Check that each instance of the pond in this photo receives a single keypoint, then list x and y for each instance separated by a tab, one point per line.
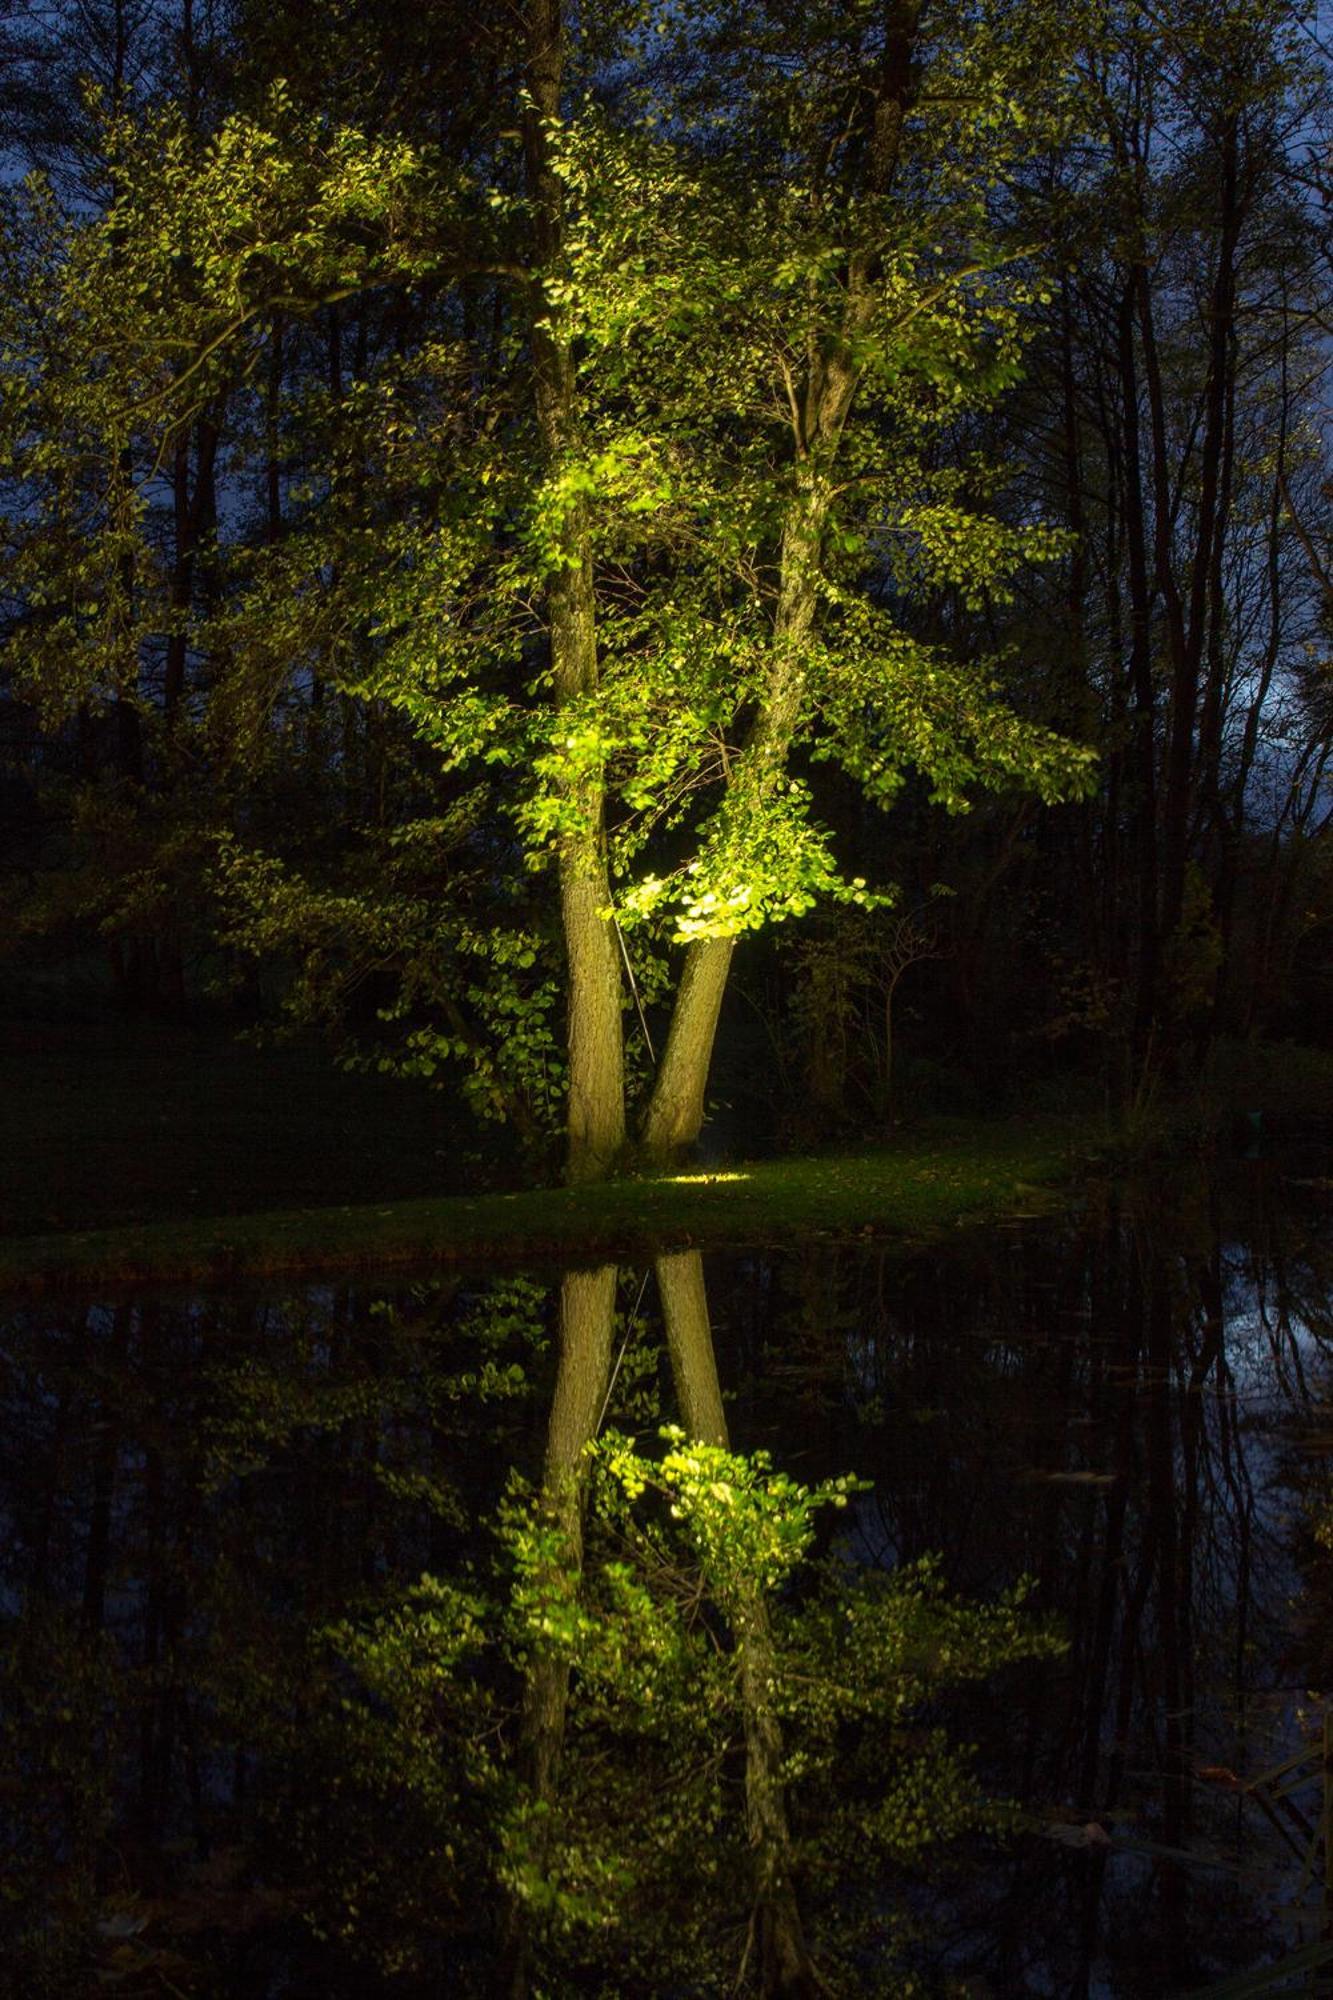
335	1662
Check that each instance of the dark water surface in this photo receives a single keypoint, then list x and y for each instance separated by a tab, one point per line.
210	1786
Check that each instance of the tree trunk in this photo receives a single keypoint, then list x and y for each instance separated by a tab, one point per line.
587	1311
595	1114
1142	715
786	1970
595	1036
675	1113
889	992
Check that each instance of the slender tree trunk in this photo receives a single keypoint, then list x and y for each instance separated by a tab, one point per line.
676	1110
786	1970
194	513
675	1113
1143	711
890	991
596	1109
1189	646
587	1311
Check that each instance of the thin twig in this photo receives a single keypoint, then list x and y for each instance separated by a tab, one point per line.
629	1328
634	989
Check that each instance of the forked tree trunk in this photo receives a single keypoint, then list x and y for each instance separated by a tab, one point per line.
587	1312
785	1967
818	412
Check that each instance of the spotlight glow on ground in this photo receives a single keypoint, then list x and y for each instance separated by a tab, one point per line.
686	1180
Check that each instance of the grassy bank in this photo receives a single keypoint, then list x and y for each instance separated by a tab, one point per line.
951	1174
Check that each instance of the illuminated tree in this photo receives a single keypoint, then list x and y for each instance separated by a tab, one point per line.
642	555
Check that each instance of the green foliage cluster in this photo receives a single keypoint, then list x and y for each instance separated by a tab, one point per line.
753	543
123	327
635	1875
471	975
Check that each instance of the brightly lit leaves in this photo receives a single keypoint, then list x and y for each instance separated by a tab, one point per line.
635	1872
636	1863
766	469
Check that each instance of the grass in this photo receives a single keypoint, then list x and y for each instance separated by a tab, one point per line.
952	1174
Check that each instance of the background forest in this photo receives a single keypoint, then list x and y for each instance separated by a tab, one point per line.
499	512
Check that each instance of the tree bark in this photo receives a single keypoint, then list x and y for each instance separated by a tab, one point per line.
595	1113
674	1116
675	1112
595	1036
587	1311
786	1969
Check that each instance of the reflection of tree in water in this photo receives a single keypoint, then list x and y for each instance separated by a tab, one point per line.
279	1712
784	1961
734	1749
232	1717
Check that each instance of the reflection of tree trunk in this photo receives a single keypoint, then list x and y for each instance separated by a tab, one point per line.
1165	1528
1117	1293
680	1282
587	1307
785	1965
1118	1402
587	1310
155	1723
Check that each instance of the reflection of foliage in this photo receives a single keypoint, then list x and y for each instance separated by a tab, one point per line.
399	1382
644	1882
418	1730
371	1710
369	1727
637	1875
